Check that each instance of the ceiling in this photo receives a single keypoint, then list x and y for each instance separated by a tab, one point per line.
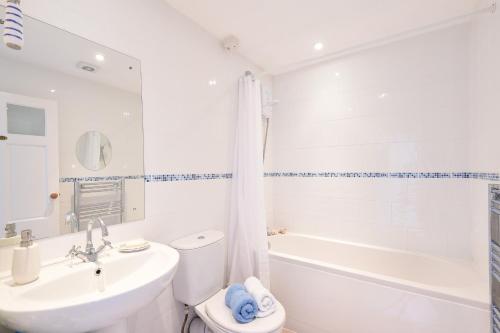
55	49
279	34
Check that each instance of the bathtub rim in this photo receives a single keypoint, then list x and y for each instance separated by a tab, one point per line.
381	279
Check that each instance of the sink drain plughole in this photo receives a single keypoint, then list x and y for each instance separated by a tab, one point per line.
100	279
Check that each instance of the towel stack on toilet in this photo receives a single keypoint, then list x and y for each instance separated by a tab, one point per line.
265	300
250	300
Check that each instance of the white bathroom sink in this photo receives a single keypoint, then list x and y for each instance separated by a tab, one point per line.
71	298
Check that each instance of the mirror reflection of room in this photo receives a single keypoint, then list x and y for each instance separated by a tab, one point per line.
93	150
73	124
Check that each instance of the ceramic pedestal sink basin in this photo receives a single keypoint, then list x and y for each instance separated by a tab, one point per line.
83	297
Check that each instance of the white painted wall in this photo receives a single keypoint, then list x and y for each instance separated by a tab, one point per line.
189	126
402	107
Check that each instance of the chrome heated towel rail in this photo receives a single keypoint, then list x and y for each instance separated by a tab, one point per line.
494	206
99	199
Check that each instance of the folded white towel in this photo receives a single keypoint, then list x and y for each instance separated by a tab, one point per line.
265	300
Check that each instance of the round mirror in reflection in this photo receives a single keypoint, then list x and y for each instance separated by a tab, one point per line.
93	150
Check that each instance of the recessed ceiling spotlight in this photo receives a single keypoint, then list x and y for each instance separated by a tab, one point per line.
86	67
382	95
318	46
212	83
99	57
52	90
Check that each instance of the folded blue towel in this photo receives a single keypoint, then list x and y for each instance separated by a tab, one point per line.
243	306
229	292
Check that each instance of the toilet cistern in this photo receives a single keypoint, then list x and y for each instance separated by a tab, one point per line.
91	254
199	284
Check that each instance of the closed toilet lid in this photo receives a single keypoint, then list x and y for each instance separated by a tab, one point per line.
217	310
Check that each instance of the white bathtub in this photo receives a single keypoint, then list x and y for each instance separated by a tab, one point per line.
339	287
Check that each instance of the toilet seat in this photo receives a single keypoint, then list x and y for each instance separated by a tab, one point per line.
216	310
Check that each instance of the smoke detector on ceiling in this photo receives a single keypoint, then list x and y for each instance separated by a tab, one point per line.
87	67
230	43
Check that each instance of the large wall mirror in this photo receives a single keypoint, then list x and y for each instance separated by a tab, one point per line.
71	135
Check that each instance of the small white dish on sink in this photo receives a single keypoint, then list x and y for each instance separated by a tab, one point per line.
134	246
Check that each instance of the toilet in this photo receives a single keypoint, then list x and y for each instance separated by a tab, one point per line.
199	283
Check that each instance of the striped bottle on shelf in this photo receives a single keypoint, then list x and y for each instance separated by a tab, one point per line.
13	32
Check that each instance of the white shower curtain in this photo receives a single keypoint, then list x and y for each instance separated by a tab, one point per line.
92	149
247	234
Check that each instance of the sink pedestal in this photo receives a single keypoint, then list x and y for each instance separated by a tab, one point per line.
119	327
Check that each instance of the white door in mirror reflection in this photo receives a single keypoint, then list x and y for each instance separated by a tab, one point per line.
29	164
93	150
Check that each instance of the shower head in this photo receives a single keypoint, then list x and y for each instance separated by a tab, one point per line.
267	108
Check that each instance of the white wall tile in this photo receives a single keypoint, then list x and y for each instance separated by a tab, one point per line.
484	52
402	107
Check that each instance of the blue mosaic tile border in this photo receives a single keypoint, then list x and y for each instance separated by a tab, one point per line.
97	178
186	177
212	176
152	178
407	175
